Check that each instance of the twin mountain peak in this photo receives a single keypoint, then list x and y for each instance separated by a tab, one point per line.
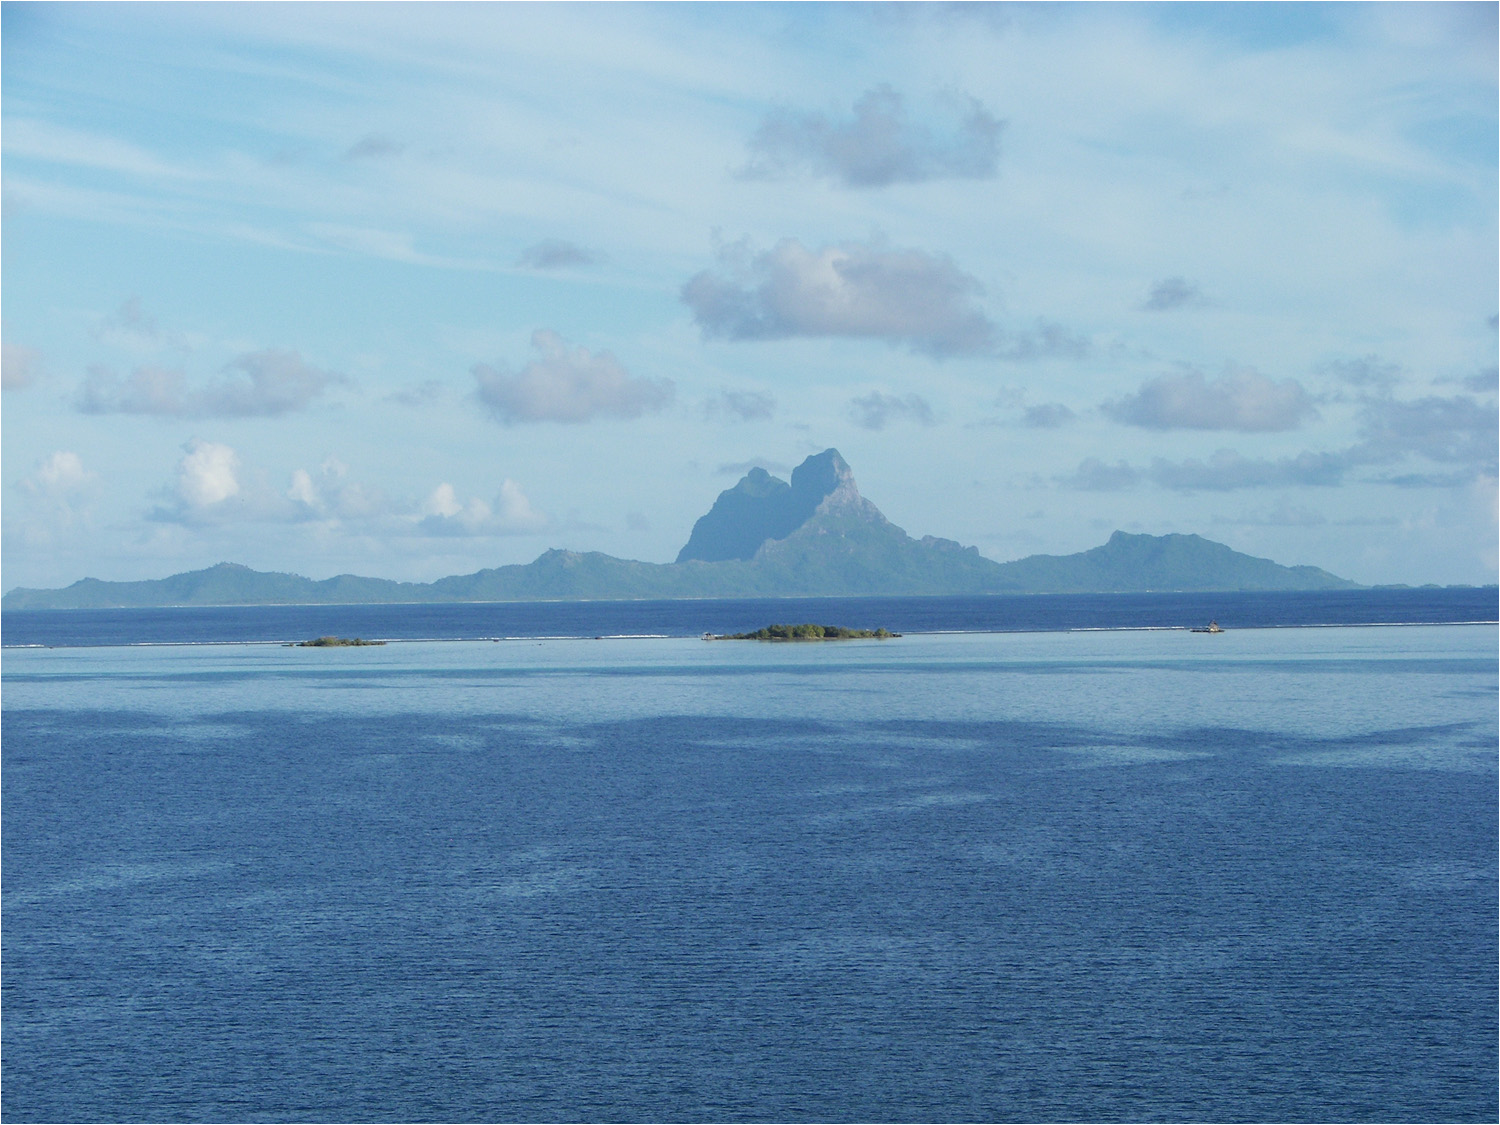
763	510
765	537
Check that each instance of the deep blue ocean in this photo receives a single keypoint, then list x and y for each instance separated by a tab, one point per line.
1109	874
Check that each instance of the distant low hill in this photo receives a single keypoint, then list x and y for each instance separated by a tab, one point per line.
765	537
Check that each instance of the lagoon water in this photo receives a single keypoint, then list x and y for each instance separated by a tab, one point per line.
1122	875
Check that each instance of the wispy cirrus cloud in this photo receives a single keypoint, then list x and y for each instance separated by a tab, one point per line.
263	384
1241	399
879	145
566	384
48	143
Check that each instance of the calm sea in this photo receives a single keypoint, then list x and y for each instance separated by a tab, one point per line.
999	876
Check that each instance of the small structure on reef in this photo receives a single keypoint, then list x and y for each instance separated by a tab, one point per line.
1212	627
805	633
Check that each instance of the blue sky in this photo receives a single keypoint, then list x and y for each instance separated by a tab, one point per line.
410	290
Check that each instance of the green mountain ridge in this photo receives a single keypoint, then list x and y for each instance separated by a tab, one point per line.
845	547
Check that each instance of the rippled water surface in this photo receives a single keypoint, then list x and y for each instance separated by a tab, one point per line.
1097	876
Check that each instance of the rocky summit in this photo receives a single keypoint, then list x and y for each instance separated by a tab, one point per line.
762	507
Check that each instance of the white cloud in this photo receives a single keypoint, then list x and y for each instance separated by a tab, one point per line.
875	410
511	514
130	328
879	146
1228	470
373	146
263	384
331	495
59	476
1368	372
556	254
1093	475
1455	430
1047	416
568	385
747	406
1174	293
207	475
1241	399
1225	471
853	289
56	144
18	366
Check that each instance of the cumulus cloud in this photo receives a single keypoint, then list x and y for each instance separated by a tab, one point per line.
747	406
1367	372
330	494
1482	382
852	289
130	328
1227	470
207	475
212	486
556	254
1044	341
58	476
1455	430
423	394
57	496
880	145
511	514
18	366
1048	416
1174	293
875	411
568	385
260	384
1093	475
1242	399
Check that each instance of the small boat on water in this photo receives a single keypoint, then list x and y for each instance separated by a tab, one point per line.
1212	627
